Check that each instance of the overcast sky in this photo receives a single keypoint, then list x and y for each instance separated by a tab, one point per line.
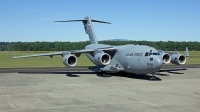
151	20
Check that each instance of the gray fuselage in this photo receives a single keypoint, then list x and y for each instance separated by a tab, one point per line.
137	59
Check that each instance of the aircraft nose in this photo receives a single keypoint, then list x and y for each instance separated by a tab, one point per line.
158	63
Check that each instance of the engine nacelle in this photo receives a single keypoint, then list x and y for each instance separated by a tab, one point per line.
102	58
166	58
178	59
69	60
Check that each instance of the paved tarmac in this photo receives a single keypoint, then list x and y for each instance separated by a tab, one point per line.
177	89
11	70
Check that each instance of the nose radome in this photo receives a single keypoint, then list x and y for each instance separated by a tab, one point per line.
158	62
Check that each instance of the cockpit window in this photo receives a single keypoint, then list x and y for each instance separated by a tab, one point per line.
146	54
149	54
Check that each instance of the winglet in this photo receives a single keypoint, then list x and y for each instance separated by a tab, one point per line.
186	52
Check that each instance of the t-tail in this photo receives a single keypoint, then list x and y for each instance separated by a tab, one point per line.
87	22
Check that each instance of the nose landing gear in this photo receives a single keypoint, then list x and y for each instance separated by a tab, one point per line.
152	78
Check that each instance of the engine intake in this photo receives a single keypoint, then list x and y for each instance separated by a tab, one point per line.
166	58
178	59
102	58
69	60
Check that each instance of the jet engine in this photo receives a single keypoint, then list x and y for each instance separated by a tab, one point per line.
69	60
166	58
178	59
102	58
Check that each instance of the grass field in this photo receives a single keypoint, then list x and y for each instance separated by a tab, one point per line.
6	60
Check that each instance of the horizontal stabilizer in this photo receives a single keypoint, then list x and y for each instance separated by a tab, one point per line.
84	20
87	23
100	21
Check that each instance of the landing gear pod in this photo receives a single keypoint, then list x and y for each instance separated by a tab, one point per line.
102	58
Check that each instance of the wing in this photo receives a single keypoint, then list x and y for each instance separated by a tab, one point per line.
76	52
37	55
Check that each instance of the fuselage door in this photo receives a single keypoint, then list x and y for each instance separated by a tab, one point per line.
150	63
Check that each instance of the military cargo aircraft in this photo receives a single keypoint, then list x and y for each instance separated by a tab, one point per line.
136	59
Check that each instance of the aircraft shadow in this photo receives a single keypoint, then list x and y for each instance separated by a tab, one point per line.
103	75
127	75
107	75
134	76
69	74
172	71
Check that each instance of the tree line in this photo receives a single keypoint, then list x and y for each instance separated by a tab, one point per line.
65	46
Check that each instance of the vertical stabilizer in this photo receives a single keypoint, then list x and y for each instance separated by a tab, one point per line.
87	22
89	30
